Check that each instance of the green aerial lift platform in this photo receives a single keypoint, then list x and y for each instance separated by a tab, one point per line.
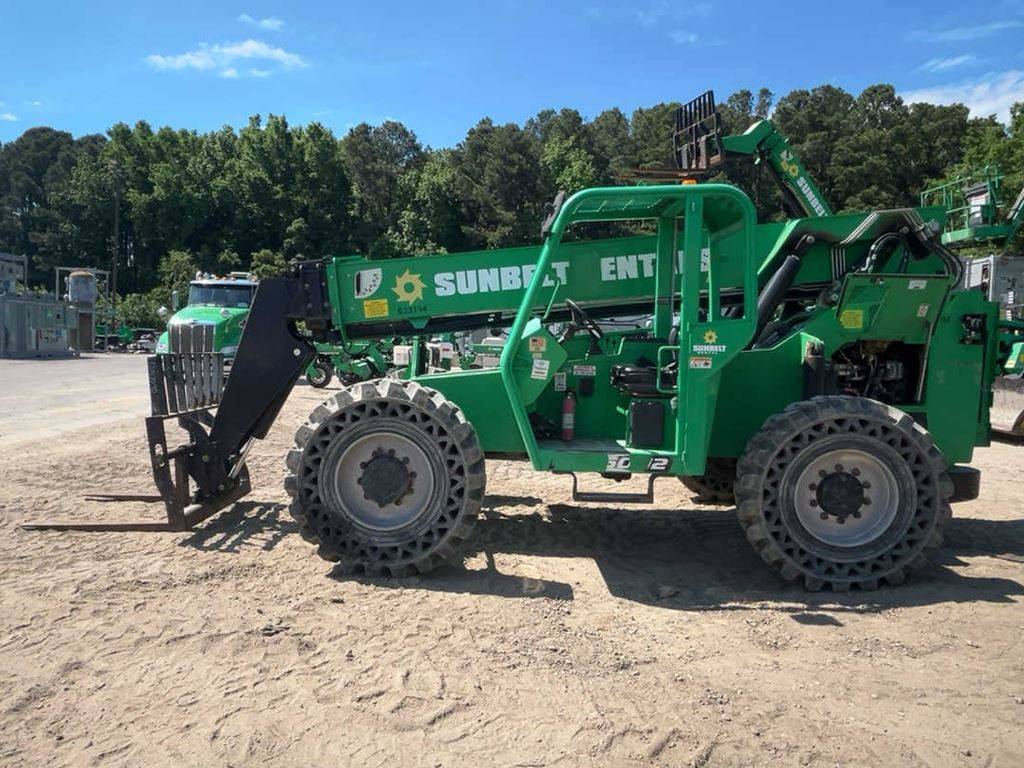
977	219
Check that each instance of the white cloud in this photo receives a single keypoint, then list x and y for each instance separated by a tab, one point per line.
992	94
680	37
8	117
224	57
952	62
960	34
270	23
650	14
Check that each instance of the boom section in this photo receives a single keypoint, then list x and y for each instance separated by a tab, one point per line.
763	142
448	292
700	148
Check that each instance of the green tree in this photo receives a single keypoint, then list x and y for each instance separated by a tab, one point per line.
499	185
34	170
321	197
431	222
177	270
172	201
268	263
613	146
139	310
652	129
375	158
567	166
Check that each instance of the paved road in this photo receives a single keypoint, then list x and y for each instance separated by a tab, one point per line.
42	398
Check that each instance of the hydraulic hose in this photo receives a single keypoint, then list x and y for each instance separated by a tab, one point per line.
774	290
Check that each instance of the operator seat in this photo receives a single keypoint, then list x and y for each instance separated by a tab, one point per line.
641	378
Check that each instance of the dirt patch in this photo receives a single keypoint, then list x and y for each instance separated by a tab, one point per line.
573	634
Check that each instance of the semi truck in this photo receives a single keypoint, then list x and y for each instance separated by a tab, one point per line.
214	316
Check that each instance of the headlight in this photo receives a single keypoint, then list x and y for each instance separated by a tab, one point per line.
229	351
161	347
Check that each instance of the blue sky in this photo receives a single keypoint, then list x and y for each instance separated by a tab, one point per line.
440	66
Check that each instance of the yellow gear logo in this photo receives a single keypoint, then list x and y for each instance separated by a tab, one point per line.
786	161
710	337
408	287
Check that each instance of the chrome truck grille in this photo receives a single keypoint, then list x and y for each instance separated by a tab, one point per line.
189	338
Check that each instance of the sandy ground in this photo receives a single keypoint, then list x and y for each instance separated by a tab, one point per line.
41	399
572	634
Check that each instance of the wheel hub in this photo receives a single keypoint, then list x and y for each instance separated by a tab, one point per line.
846	497
839	494
383	480
386	478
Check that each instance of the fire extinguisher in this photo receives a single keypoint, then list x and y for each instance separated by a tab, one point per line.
568	415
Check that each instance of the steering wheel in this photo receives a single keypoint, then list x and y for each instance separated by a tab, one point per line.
581	319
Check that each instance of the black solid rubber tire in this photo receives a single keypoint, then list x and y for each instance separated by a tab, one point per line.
325	371
761	492
715	486
432	539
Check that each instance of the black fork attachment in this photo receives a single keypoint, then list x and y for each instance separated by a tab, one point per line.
199	478
697	138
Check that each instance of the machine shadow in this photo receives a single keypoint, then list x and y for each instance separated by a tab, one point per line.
455	578
259	524
698	559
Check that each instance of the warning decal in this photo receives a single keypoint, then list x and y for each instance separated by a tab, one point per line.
376	308
852	319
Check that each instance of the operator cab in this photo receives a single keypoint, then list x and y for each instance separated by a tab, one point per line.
214	317
575	373
234	291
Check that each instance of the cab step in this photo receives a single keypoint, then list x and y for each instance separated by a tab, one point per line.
605	497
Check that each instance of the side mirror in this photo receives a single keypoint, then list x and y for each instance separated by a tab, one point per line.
551	212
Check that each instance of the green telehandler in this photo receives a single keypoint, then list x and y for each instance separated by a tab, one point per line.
834	363
352	362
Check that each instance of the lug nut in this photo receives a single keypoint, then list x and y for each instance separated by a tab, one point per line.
865	484
839	467
823	515
841	520
866	501
813	503
857	515
813	486
855	472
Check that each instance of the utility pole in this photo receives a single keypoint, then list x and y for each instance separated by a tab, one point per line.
115	237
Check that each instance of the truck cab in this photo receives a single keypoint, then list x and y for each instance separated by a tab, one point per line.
219	304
